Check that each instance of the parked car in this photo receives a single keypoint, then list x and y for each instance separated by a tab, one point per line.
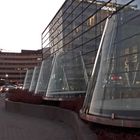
20	86
6	87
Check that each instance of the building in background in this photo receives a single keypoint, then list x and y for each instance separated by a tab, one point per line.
13	66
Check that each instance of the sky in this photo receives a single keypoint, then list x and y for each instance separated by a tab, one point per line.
23	21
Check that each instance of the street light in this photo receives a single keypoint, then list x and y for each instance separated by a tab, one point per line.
6	75
6	78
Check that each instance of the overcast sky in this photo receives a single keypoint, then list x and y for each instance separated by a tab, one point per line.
22	22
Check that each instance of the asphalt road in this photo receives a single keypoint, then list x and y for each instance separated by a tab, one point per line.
15	126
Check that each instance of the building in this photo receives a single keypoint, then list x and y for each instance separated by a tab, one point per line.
73	37
13	66
113	56
106	52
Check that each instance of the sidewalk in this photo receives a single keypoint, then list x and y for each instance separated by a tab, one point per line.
20	127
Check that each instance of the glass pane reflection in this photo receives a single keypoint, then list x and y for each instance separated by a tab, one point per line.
44	76
68	75
28	78
118	82
34	79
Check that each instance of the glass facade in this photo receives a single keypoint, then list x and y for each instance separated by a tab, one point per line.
28	78
114	88
67	76
73	37
44	75
92	47
34	79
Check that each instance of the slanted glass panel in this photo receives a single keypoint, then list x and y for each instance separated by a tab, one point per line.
44	76
117	87
67	77
76	38
34	79
28	78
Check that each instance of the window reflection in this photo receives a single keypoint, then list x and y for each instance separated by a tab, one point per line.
91	21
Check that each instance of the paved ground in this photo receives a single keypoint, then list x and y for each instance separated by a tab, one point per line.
19	127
